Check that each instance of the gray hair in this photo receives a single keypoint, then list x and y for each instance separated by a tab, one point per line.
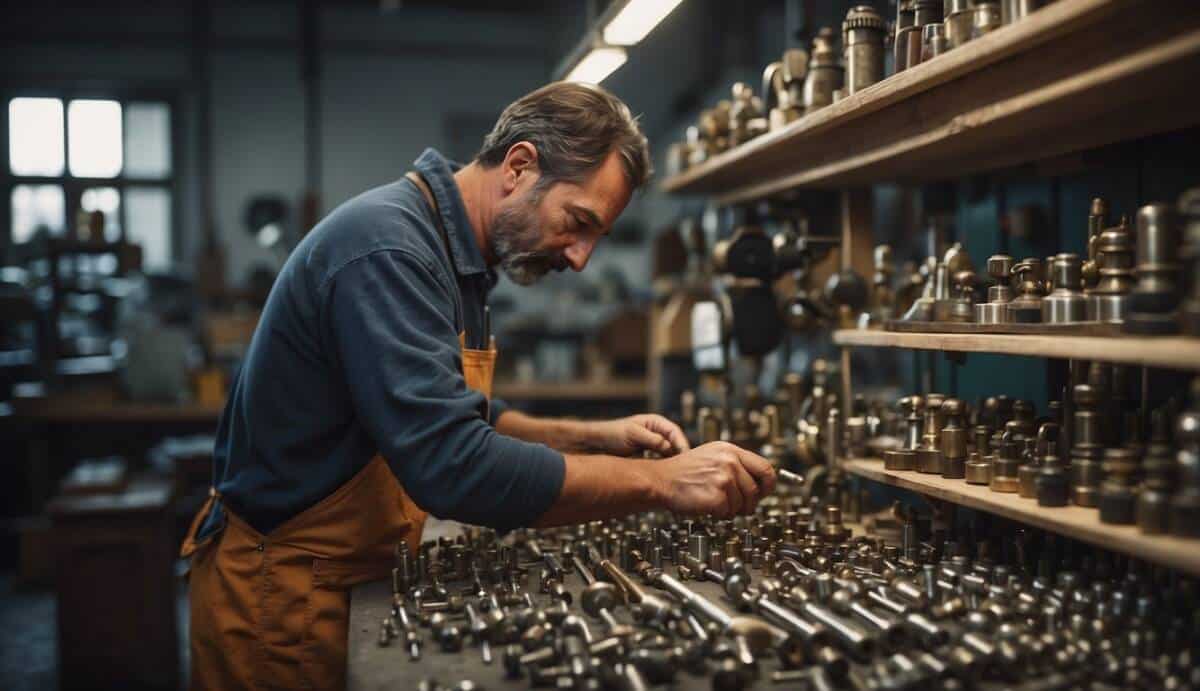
574	128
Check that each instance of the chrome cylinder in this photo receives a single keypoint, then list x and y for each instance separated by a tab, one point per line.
862	36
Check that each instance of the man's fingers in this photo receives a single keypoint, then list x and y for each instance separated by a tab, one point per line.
759	468
747	487
669	430
733	487
645	438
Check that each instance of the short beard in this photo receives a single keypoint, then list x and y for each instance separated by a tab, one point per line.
515	236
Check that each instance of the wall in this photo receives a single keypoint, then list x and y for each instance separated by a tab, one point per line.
388	82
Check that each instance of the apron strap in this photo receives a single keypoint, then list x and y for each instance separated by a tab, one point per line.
419	182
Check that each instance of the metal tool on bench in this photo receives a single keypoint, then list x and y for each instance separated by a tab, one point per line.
825	72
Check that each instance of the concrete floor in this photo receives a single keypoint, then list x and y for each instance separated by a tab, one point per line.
28	641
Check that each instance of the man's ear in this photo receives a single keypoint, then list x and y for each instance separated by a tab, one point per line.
520	166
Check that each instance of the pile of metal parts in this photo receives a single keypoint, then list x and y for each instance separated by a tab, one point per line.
790	596
1087	450
803	82
1134	276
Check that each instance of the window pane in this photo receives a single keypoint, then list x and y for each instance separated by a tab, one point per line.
106	200
35	136
35	207
147	140
148	212
94	130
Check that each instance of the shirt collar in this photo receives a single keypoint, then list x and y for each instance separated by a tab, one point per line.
438	172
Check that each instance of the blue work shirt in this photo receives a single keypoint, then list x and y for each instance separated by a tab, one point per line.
357	353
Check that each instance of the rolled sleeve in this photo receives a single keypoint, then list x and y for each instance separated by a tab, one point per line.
390	320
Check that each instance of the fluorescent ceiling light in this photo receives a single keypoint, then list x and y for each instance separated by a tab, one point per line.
636	19
597	64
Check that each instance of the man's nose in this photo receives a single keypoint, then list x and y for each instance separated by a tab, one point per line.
579	252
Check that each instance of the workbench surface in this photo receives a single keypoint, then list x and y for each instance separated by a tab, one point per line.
370	667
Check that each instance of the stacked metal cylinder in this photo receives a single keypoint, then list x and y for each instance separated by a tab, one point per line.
1134	279
1089	451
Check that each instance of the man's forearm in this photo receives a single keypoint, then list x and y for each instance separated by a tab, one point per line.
567	436
602	487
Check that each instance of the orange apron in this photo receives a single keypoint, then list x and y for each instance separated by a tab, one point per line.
272	611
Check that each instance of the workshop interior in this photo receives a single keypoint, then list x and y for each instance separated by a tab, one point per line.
937	261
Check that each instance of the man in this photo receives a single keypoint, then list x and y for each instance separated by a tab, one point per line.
362	401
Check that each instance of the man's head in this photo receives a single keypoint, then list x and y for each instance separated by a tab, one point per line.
567	158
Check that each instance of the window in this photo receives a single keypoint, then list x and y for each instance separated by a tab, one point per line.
70	157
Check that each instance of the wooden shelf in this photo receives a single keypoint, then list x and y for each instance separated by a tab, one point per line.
583	389
1074	75
1072	521
1175	352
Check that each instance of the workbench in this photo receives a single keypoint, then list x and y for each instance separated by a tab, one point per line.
372	667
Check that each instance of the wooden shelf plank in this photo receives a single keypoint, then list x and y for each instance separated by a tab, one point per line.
1074	75
1072	521
1173	352
584	389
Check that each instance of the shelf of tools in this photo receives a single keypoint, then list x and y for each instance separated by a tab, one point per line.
976	92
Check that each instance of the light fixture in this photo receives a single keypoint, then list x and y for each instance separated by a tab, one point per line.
636	19
597	64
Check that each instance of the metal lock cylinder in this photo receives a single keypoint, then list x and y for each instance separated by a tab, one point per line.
933	41
1007	461
953	440
995	310
1052	486
929	455
905	16
905	458
824	72
986	19
1185	505
1159	468
1156	295
862	40
1065	304
959	17
1087	449
1108	299
978	468
1117	498
1027	474
925	12
1189	209
1026	307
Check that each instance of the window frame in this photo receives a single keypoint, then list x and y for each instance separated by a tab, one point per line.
74	186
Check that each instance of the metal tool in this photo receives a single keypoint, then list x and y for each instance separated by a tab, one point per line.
995	310
1108	299
783	88
862	40
1088	448
959	17
933	41
905	16
1154	302
1006	463
986	19
905	458
825	72
1016	10
1026	307
1185	504
929	455
978	468
953	440
1117	499
1066	303
925	12
1158	483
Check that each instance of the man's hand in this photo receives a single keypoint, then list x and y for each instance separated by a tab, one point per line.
632	435
717	478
